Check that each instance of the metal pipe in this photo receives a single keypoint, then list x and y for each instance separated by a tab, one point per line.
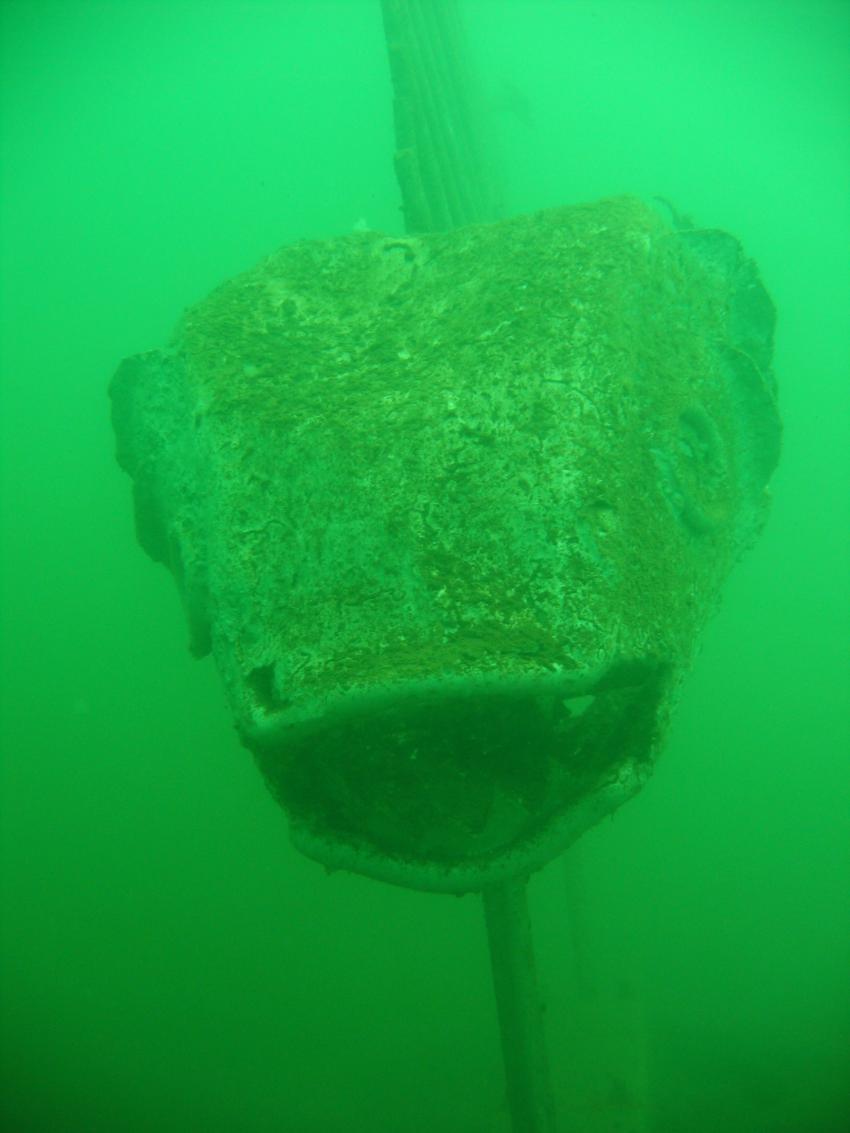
529	1088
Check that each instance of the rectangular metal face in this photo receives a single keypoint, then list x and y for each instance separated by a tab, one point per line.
507	455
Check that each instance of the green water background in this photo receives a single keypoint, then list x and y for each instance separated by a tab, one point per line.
169	963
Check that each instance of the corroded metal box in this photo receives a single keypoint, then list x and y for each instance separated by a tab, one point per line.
450	511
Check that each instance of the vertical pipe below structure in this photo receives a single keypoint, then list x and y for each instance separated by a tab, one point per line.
529	1087
444	184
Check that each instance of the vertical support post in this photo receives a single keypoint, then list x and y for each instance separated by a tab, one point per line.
445	183
529	1087
443	178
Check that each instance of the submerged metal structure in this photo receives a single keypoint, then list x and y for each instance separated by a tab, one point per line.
450	510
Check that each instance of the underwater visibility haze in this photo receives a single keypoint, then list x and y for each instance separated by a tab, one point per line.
170	961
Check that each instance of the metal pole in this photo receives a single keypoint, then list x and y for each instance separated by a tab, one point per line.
444	184
444	181
529	1087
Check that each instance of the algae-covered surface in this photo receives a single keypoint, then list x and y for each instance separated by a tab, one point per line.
504	409
394	477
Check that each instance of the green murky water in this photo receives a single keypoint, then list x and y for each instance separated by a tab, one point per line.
169	963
